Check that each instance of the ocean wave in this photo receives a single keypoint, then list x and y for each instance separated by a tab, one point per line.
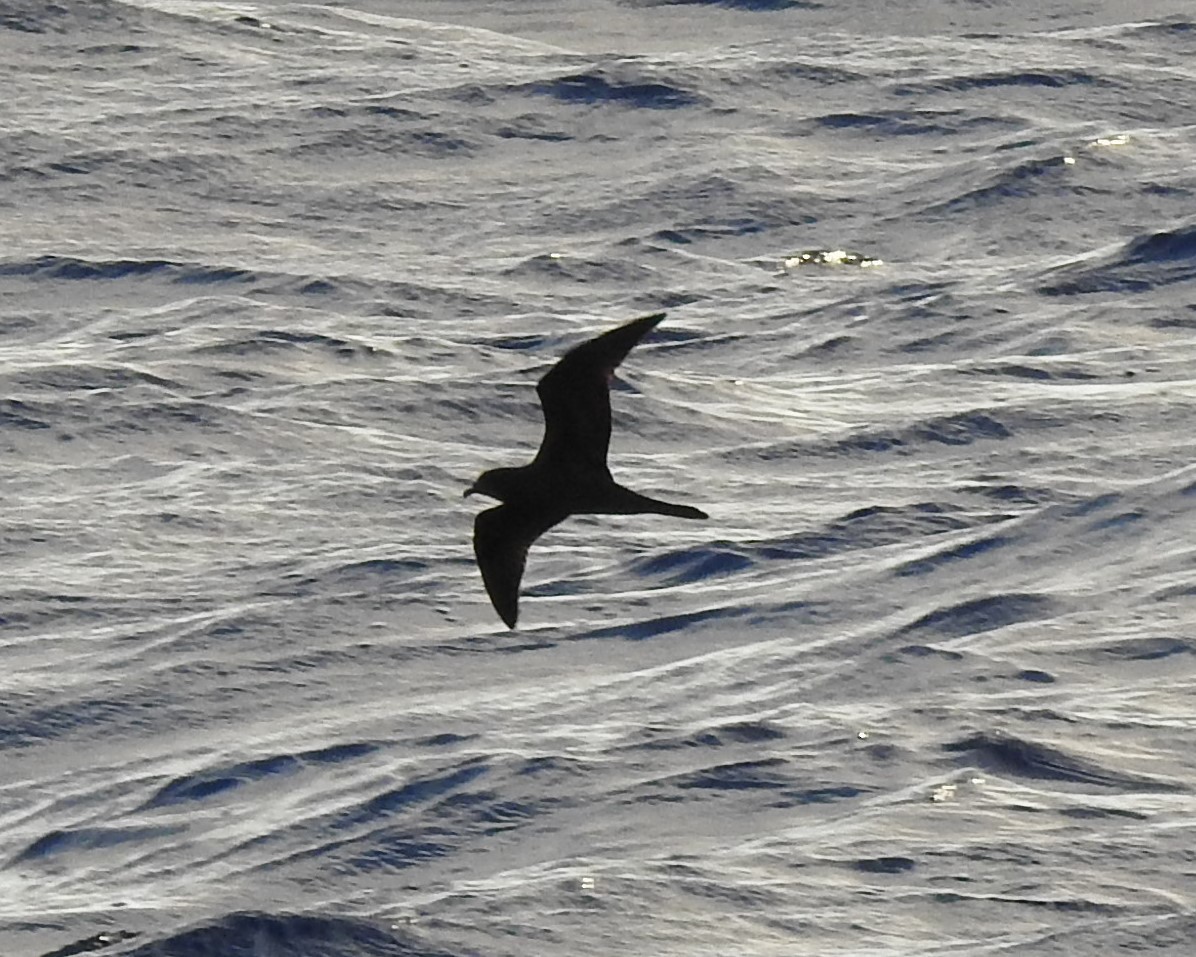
280	284
1150	261
52	267
1024	758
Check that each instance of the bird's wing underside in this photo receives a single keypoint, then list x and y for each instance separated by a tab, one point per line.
501	538
575	395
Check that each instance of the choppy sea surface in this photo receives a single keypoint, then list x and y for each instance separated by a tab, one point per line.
277	281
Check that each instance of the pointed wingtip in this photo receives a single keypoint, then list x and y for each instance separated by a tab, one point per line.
497	534
649	320
505	602
641	323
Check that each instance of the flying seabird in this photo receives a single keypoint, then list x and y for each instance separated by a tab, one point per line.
568	476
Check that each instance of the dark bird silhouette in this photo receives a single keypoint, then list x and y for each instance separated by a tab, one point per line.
568	476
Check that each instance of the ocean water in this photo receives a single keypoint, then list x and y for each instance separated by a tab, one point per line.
276	284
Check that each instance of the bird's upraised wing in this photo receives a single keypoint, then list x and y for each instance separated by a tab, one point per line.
575	395
501	538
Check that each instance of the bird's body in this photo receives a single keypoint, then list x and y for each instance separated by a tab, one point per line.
569	475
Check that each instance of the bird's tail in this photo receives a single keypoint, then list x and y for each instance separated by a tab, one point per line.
626	502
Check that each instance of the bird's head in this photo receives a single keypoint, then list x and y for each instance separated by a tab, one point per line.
497	483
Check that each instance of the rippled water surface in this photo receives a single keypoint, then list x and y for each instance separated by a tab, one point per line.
277	282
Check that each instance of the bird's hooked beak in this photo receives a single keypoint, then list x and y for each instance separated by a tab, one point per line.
470	491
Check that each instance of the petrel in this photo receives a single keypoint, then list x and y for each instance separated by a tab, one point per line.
568	476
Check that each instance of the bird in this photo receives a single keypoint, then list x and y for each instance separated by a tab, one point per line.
569	475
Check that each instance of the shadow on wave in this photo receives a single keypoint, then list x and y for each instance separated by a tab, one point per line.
1016	757
964	428
652	627
434	814
281	341
15	414
1001	79
89	945
871	527
781	783
884	123
765	6
1139	649
1029	178
615	88
556	267
794	613
57	843
947	556
417	299
1150	260
70	267
253	934
1044	372
191	788
741	201
714	736
68	16
989	613
86	377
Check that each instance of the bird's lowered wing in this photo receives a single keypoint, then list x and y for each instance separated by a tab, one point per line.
575	395
501	538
